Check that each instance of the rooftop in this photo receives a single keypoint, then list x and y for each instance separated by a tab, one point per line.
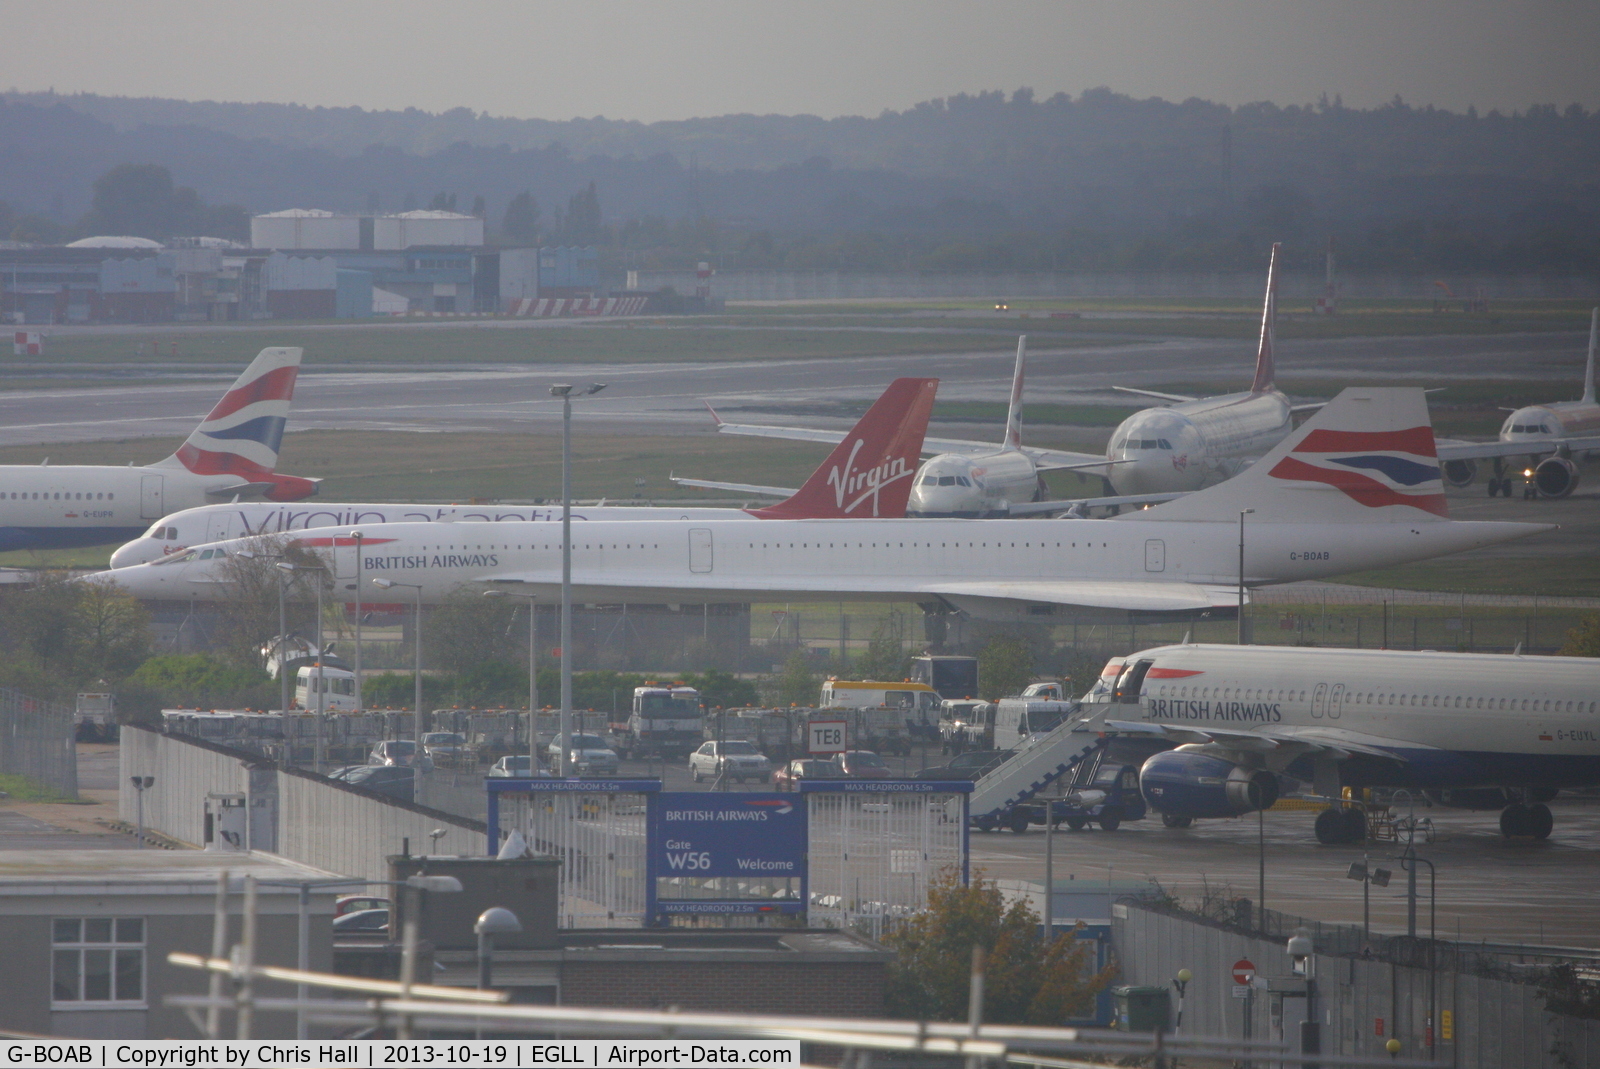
30	872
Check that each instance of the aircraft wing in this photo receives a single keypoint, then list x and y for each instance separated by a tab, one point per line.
1175	398
1337	742
1451	449
739	488
797	434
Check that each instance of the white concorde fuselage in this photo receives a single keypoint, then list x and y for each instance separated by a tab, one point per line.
1457	719
1114	563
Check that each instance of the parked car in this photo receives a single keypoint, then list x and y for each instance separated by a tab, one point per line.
970	765
790	776
588	755
362	922
736	759
396	781
517	766
448	748
861	764
356	903
399	752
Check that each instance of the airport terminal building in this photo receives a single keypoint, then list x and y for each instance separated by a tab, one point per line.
304	264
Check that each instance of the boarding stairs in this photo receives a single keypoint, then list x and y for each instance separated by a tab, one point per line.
1040	761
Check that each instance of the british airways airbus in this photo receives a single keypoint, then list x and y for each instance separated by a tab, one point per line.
1155	454
867	474
231	453
1356	487
1475	730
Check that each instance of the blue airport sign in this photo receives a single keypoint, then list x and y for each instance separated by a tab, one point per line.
711	833
887	786
573	786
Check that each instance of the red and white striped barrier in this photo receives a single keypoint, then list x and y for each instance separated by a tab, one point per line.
539	307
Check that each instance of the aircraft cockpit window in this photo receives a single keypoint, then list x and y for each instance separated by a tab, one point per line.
1164	443
947	480
1544	428
930	480
177	558
962	480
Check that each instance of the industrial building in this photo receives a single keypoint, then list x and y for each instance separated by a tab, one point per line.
303	264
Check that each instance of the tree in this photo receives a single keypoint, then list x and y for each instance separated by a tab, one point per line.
140	199
248	612
442	202
112	631
886	655
797	683
723	690
1005	666
521	223
204	681
1583	640
583	216
1028	976
467	629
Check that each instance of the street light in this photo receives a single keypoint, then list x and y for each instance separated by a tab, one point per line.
322	701
416	667
358	536
1181	982
564	391
283	638
533	677
140	785
1242	514
1368	875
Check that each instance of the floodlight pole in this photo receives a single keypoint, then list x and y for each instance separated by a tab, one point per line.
416	657
358	537
533	669
283	652
1242	514
564	391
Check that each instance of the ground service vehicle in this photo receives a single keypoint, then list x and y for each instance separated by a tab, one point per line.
1037	710
880	714
667	720
337	686
949	676
737	760
396	781
967	724
516	766
399	752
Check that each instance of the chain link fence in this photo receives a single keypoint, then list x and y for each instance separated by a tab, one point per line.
37	743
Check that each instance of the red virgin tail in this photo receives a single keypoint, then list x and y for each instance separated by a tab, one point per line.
870	472
1266	370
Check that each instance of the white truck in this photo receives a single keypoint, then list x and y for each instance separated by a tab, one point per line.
667	720
881	714
1036	710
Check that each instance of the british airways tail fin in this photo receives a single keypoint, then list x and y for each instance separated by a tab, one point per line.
1266	369
1367	457
1588	369
243	433
1014	413
870	472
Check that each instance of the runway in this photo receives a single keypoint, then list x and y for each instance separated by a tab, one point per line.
669	398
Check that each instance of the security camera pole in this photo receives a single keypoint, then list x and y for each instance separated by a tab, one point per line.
564	391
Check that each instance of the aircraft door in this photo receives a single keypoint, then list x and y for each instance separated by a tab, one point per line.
1319	700
1155	555
344	558
700	550
1336	701
150	497
217	527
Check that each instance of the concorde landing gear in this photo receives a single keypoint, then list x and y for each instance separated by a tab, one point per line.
1336	825
1520	820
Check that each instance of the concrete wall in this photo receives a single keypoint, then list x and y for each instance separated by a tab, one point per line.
295	814
1495	1023
826	989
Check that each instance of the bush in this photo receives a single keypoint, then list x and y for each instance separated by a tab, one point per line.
198	680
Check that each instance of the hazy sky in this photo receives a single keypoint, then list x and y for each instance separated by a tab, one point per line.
652	61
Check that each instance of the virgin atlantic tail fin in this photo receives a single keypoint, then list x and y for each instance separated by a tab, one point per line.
1266	369
870	472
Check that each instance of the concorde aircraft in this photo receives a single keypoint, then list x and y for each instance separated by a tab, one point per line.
231	453
867	474
1477	730
1153	455
1557	432
1356	487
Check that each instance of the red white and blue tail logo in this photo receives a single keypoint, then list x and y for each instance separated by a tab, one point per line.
1373	468
244	431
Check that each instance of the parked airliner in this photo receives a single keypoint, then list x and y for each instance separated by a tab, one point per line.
1558	432
868	474
1155	454
1476	730
232	453
1357	487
